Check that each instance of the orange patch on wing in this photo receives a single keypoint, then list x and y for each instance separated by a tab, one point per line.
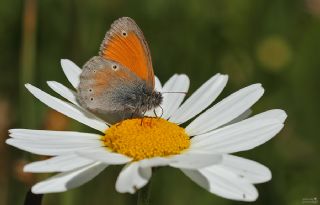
129	51
106	79
101	82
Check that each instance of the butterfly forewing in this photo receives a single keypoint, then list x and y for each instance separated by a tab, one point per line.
125	44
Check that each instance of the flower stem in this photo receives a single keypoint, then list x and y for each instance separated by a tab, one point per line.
33	199
28	57
144	195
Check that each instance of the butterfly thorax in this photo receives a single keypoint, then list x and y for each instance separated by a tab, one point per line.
142	100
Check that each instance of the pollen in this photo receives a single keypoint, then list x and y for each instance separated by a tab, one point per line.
146	137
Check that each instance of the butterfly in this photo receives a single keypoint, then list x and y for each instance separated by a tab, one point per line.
120	80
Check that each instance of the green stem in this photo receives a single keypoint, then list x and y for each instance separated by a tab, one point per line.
144	195
28	56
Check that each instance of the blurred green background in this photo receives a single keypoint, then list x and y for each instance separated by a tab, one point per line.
275	42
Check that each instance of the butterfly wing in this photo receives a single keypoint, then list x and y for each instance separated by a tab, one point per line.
125	44
107	86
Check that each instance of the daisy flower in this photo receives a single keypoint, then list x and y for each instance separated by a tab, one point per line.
202	150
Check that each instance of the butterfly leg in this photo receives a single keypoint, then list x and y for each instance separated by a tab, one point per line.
119	123
143	117
123	117
161	111
150	124
155	113
144	122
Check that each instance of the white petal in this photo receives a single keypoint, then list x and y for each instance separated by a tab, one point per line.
241	136
41	135
191	160
188	160
62	163
68	180
52	147
200	99
157	84
241	117
252	171
171	101
62	90
47	137
105	156
224	183
226	110
72	72
275	114
155	162
197	177
68	109
132	177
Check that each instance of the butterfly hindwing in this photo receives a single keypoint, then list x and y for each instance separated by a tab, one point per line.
107	86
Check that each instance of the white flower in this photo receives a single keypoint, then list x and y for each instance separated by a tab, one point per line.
202	152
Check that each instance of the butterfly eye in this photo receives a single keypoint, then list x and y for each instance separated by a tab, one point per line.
114	67
124	33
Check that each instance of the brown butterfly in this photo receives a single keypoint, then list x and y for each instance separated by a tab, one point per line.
121	79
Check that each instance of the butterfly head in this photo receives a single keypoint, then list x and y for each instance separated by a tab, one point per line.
155	100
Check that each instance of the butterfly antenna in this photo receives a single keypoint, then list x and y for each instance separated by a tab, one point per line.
161	111
176	92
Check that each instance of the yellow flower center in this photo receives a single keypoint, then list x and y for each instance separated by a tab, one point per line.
146	138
